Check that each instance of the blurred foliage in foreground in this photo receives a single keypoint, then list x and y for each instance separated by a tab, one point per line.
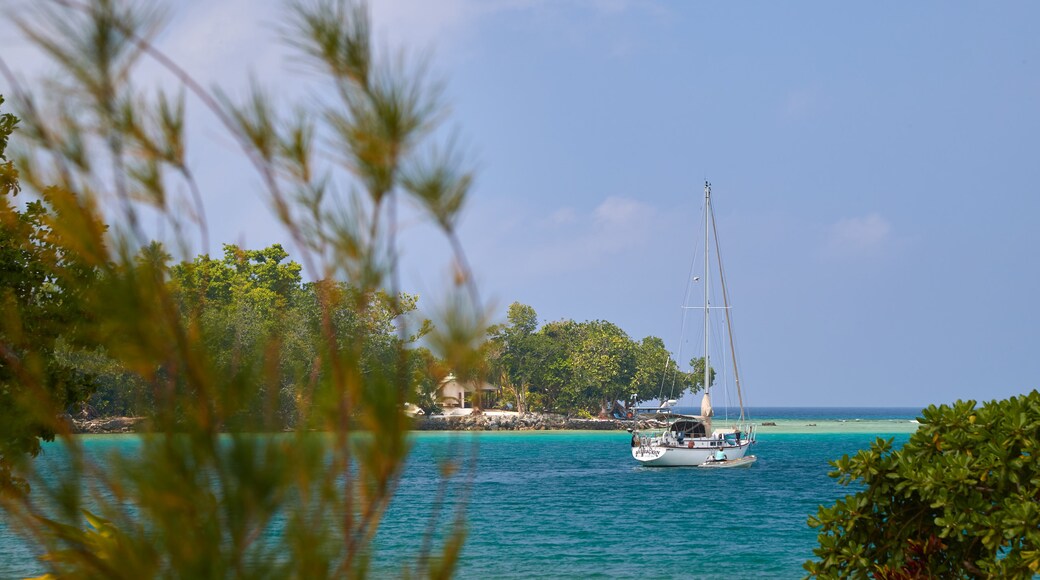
961	499
241	301
42	289
202	341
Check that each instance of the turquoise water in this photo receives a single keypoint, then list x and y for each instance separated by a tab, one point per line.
575	504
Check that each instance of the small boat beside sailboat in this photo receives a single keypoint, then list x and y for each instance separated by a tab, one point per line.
745	461
693	440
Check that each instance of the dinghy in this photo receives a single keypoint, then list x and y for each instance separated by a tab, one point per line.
745	461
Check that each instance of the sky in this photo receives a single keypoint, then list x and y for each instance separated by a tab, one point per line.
874	172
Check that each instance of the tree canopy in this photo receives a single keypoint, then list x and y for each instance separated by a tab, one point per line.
43	284
579	367
961	499
254	305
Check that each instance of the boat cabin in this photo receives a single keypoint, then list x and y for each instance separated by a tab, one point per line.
689	428
698	427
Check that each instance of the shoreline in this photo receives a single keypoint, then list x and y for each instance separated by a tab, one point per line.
539	422
763	426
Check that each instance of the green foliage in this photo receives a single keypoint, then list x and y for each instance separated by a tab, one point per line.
43	284
602	363
577	367
115	391
243	277
657	371
246	307
961	499
515	351
221	349
8	172
427	373
697	364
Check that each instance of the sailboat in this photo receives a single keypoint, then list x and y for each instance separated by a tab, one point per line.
695	440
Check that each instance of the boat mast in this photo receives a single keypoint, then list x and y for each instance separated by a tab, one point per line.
707	214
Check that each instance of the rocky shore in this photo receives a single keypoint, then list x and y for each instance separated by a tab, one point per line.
483	422
105	425
525	422
493	421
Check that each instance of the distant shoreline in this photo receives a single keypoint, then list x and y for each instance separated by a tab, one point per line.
535	422
765	425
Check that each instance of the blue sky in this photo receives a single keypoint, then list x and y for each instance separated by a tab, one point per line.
874	166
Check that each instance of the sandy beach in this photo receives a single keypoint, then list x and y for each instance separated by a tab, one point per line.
797	426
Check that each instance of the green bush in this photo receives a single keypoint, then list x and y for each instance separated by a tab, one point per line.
961	499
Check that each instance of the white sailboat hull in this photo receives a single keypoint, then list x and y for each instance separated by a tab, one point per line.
691	454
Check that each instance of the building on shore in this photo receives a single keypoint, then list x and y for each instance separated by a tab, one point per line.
455	394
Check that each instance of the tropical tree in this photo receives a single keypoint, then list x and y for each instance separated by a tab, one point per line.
578	367
556	381
43	319
115	391
427	374
515	350
697	378
245	305
603	363
961	499
242	301
581	367
657	375
242	276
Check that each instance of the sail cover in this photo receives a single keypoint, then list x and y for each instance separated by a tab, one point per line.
706	410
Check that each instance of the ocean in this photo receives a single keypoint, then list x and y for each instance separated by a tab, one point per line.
567	504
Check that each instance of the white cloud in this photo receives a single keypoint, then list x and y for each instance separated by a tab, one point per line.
566	240
622	212
864	235
569	239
